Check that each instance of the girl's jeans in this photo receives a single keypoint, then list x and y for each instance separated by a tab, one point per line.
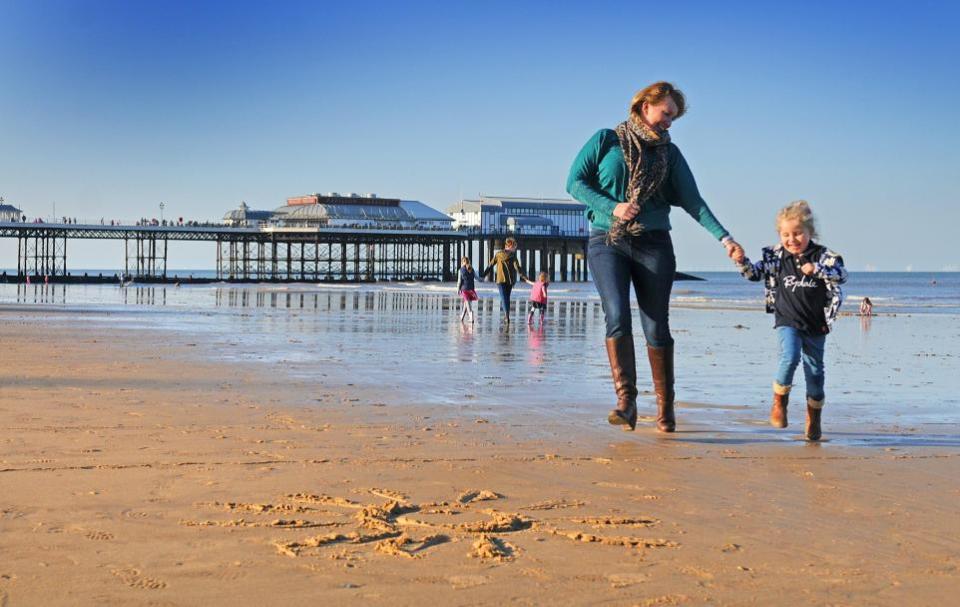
796	345
505	289
647	263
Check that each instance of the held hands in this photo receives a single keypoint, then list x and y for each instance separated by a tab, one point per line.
734	251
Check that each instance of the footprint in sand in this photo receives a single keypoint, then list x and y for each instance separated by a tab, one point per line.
468	581
623	580
135	579
135	514
98	535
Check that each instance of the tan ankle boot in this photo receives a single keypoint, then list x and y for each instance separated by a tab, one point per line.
814	409
661	368
623	368
778	412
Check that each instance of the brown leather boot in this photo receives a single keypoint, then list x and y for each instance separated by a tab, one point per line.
778	412
661	367
623	368
814	409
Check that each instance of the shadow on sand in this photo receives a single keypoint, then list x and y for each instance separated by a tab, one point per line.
847	439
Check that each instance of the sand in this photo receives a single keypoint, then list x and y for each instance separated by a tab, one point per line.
136	469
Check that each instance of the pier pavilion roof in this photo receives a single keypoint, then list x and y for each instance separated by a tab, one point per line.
245	213
359	208
509	203
322	211
8	212
422	212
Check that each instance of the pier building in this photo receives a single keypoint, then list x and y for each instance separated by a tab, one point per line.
552	232
8	212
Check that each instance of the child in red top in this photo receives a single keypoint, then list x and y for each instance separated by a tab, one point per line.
538	296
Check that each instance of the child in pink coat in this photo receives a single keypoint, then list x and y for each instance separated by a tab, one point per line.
538	296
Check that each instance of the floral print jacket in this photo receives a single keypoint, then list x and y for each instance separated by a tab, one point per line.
828	268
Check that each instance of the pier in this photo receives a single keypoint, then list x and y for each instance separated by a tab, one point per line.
324	238
249	253
278	254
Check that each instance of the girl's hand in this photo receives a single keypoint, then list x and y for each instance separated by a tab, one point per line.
807	269
734	251
625	211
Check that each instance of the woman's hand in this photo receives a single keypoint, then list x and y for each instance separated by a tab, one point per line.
625	211
734	251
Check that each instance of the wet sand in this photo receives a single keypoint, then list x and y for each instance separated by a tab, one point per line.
148	467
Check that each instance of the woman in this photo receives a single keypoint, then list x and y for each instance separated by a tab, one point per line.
629	178
506	269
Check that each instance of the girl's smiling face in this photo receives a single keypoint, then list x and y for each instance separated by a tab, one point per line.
793	236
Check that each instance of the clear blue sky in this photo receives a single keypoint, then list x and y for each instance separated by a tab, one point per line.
108	108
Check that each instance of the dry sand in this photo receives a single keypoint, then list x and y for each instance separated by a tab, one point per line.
135	471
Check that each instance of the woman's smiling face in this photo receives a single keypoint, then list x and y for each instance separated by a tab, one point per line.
659	116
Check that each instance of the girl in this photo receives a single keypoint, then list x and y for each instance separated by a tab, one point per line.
538	296
802	280
466	287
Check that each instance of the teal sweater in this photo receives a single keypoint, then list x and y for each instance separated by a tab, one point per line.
598	179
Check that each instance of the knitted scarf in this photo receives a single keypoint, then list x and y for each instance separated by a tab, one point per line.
646	155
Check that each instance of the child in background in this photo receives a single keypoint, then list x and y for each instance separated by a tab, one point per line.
466	286
802	283
538	296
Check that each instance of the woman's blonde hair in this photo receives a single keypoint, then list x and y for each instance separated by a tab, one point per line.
801	211
655	93
510	242
465	261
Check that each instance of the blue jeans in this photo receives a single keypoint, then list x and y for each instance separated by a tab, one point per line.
505	289
796	345
645	262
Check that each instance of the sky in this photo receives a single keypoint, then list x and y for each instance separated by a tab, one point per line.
108	108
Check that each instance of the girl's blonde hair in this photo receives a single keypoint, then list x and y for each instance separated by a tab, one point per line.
801	211
542	277
465	261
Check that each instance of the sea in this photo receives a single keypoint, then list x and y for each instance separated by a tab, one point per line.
890	292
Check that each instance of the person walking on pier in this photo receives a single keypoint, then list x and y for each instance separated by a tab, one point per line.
466	287
629	178
506	270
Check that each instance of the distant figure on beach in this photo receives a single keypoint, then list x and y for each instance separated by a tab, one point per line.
866	307
505	268
802	282
538	296
466	287
629	178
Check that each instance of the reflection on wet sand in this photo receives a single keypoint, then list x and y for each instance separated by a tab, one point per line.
413	340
